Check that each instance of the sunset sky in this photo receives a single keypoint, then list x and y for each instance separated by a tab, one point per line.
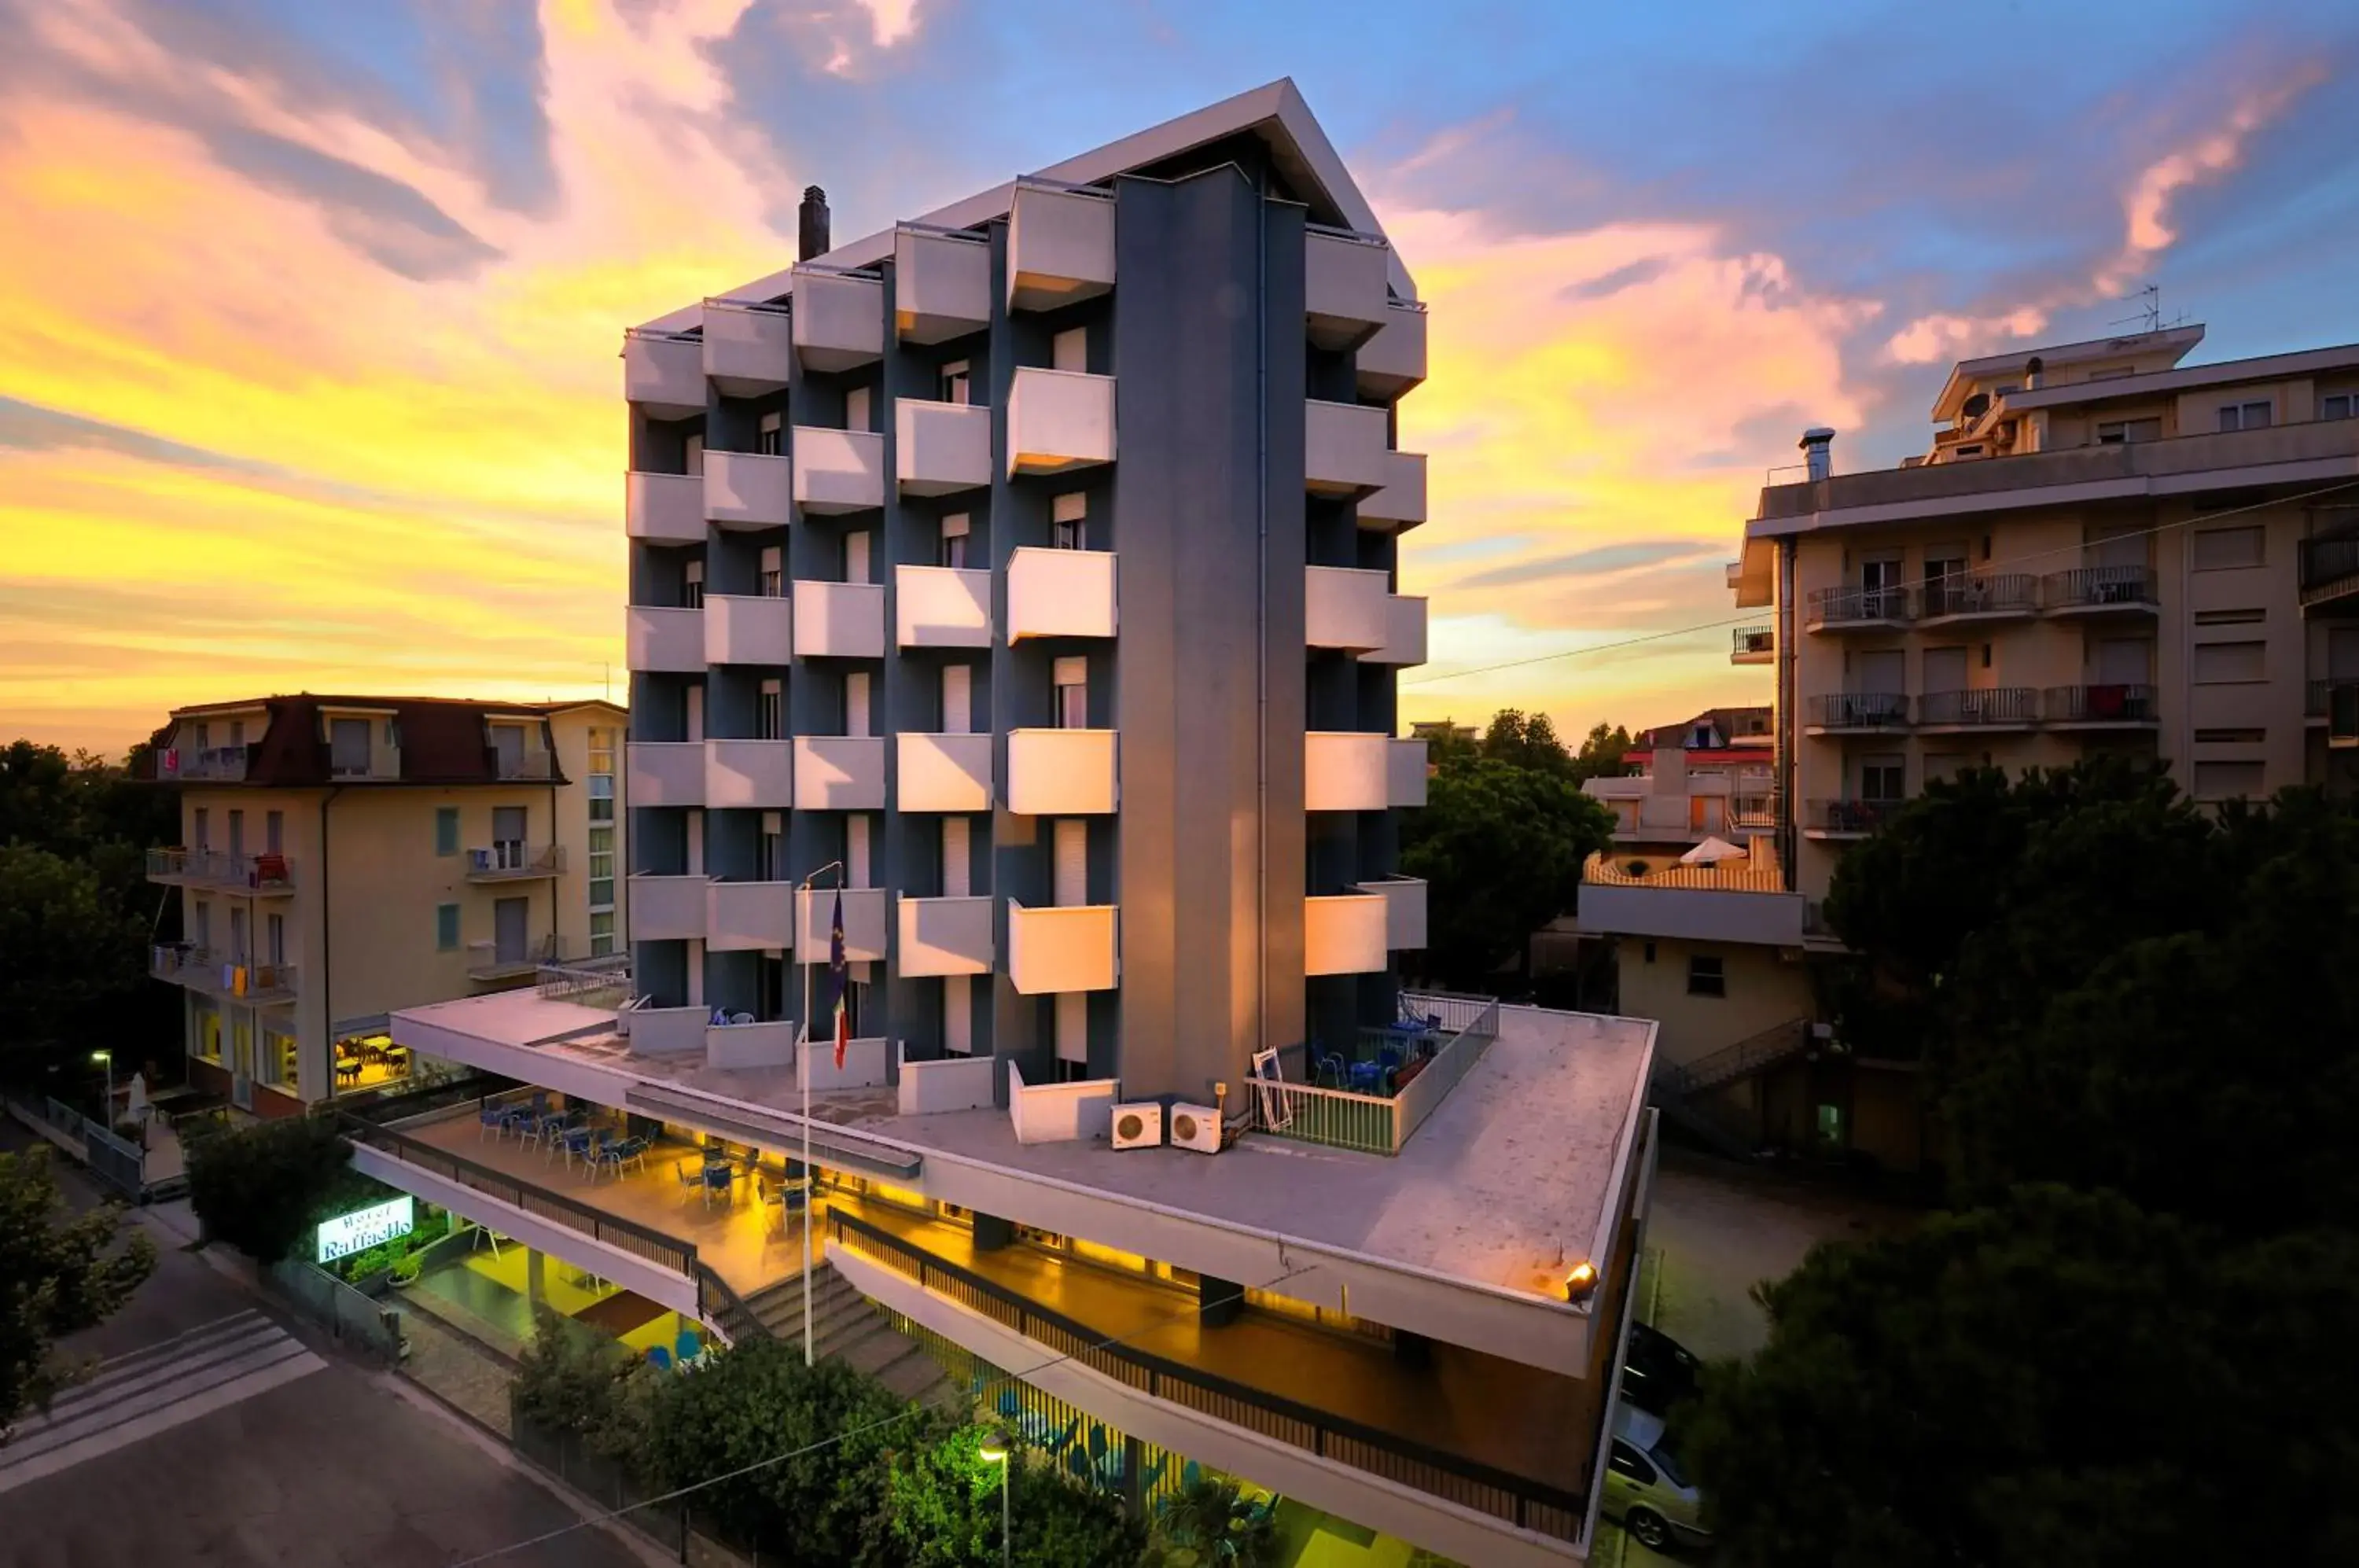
308	364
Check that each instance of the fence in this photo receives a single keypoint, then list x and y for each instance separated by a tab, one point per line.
112	1159
352	1318
1469	1483
593	982
1376	1124
1741	873
670	1526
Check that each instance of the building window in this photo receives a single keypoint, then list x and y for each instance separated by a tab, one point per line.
1066	513
1073	678
770	712
602	869
2230	663
1883	778
2338	405
957	386
204	736
2231	737
2230	617
1707	976
446	830
691	585
770	440
954	538
2117	432
277	1060
770	852
773	575
2218	548
601	932
1070	350
2227	781
204	828
446	927
274	832
2244	416
601	797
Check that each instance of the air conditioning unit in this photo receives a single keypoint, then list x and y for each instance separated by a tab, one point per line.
1139	1125
1197	1128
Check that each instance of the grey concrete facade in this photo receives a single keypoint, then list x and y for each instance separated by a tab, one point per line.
1207	683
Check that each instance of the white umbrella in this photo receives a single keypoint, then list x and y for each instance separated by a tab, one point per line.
1710	852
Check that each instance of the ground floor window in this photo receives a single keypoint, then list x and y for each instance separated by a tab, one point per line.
209	1035
1830	1126
1707	974
278	1065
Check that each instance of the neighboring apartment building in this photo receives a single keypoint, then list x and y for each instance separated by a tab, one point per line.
2103	549
1035	560
343	856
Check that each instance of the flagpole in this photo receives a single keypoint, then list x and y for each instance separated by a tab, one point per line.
802	1064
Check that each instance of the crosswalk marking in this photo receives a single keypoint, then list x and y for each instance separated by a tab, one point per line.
153	1389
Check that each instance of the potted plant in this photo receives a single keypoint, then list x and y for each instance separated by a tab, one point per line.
404	1270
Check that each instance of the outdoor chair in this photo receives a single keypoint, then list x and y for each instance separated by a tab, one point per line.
578	1141
659	1358
491	1116
690	1180
717	1178
688	1348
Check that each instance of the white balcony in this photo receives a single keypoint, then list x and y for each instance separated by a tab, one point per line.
1344	934
839	620
838	471
1059	593
747	346
1345	607
1344	286
1071	947
666	909
1345	771
1404	632
943	448
1059	420
941	607
838	318
663	372
941	284
1345	447
749	775
1394	360
664	773
741	917
943	772
1059	247
1400	504
749	489
664	508
839	773
1405	773
670	641
746	629
944	936
1060	773
864	923
1404	900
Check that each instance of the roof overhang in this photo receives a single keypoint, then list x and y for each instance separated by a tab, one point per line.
1967	372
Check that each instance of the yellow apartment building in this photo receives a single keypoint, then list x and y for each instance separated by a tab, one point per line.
2103	548
342	857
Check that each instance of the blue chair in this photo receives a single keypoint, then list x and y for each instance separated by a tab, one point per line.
1190	1475
1367	1076
491	1116
687	1347
689	1181
1151	1474
716	1180
579	1141
659	1358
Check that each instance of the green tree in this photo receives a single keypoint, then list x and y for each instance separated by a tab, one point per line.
70	947
570	1379
262	1188
1211	1525
1501	847
1601	753
2058	1378
1527	740
941	1508
59	1273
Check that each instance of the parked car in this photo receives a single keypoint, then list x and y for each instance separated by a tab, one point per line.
1657	1371
1646	1490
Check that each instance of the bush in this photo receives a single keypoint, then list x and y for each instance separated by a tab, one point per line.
1205	1524
263	1188
569	1380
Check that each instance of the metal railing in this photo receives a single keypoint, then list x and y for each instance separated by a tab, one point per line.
1860	711
257	873
534	764
593	982
1754	810
1311	1113
1841	606
1751	1054
1979	593
1754	640
513	858
2329	563
486	961
2085	586
1502	1494
212	765
1727	877
2107	704
1986	705
1376	1123
641	1242
1417	1099
2314	698
1861	817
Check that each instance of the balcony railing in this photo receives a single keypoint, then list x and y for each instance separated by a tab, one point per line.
2330	569
1979	593
1751	645
221	973
535	765
2314	699
1394	360
1847	819
2099	588
1498	1494
214	868
1859	711
1990	707
486	961
2127	704
664	508
1858	607
1741	874
513	860
747	345
206	764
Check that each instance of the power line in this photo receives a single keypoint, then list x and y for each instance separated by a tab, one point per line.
1675	632
913	1407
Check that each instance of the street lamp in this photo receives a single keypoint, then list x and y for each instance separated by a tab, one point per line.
108	1058
998	1449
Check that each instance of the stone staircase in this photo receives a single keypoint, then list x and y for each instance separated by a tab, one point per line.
848	1327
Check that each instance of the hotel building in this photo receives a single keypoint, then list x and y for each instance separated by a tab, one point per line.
1035	560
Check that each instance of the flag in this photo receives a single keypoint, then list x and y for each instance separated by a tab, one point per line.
836	978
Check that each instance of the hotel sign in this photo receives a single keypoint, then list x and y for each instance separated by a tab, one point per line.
364	1228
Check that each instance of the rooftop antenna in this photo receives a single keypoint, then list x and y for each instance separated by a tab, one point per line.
2149	311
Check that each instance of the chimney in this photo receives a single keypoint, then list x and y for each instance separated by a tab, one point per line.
1817	444
811	229
2032	370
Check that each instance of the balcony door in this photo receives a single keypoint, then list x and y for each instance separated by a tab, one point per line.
1879	586
507	746
1945	669
958	864
958	699
2124	661
1072	868
1883	778
511	925
1883	671
237	947
348	747
237	839
507	837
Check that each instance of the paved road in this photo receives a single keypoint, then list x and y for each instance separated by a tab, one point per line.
219	1433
